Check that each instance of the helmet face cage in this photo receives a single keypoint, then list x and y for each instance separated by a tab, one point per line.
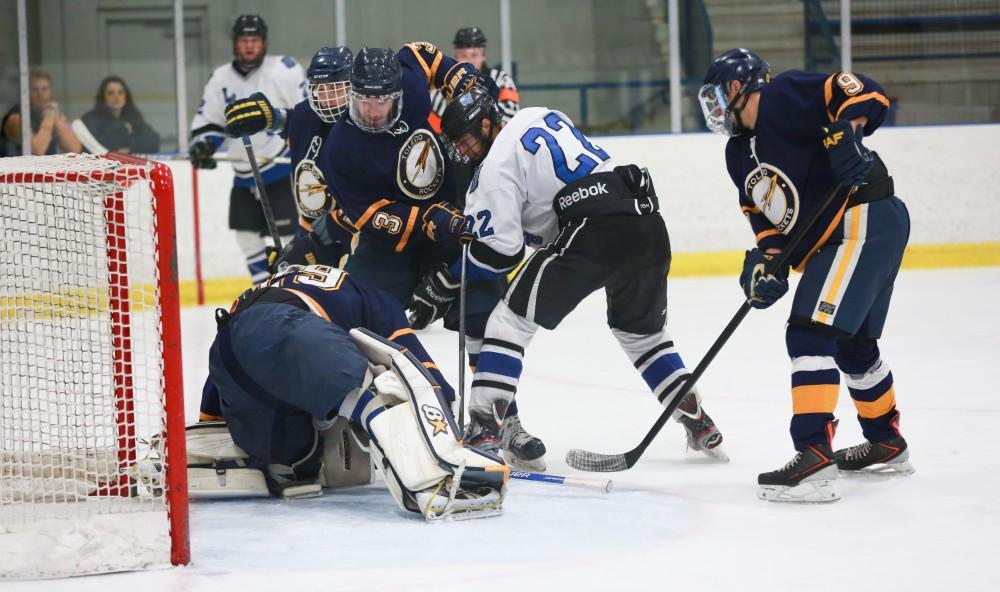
375	113
328	99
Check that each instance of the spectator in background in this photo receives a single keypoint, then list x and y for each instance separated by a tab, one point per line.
50	132
115	124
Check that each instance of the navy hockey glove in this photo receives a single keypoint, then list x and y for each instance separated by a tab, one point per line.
849	159
200	154
762	289
444	224
432	297
251	115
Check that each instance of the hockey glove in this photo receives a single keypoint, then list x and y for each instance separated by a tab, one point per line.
849	159
444	224
200	154
762	289
432	297
251	115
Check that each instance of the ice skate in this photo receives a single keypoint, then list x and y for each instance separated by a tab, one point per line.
521	450
702	434
809	477
876	458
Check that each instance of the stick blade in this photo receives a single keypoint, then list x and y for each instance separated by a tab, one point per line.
596	462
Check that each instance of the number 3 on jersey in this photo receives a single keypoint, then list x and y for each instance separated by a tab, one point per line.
585	163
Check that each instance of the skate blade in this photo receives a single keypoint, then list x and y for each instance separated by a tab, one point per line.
526	466
718	454
819	491
882	470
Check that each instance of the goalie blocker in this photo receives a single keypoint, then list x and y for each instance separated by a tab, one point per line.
288	380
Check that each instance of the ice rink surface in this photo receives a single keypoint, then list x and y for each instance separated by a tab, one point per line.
676	521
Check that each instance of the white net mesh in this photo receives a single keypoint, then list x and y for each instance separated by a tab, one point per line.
82	404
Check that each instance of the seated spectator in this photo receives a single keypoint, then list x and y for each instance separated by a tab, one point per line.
50	132
115	124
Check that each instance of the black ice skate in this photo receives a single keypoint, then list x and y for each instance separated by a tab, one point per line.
521	450
484	433
702	435
809	477
876	458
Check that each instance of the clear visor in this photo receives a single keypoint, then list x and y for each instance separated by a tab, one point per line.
716	109
329	99
375	113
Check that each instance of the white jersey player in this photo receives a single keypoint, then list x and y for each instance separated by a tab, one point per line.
543	183
283	81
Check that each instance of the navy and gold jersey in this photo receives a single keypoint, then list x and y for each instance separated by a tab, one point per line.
332	294
781	168
384	181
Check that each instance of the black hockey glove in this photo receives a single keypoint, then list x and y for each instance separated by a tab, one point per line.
444	224
250	115
432	297
200	154
762	289
849	159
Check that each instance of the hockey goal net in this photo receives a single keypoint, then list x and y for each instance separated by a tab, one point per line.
92	472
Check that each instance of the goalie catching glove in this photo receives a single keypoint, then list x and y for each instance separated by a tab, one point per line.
432	297
762	288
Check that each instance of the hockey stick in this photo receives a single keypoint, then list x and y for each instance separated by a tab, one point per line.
604	485
461	339
595	461
265	203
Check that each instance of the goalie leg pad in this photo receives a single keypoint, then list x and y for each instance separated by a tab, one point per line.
346	460
416	445
217	467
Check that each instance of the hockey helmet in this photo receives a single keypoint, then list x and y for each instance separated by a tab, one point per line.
742	65
329	80
249	25
462	123
469	37
376	95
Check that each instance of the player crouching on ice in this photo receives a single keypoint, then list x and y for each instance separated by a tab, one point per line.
312	369
596	225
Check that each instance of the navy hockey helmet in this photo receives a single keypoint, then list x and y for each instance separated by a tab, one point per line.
329	80
462	125
376	96
469	37
249	25
743	66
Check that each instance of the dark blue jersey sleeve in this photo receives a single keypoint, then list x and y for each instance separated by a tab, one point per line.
848	96
766	235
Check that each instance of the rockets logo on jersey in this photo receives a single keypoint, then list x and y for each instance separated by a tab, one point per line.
420	171
309	184
774	195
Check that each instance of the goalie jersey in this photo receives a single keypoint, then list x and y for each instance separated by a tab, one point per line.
282	80
781	168
510	198
332	294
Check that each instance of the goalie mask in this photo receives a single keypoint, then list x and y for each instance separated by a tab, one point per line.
462	126
376	95
329	77
722	115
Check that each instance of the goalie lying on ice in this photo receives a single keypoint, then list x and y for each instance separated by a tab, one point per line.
311	365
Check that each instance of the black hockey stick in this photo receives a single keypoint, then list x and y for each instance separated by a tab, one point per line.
265	203
597	462
461	339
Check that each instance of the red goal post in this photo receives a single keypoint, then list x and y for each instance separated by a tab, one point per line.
91	389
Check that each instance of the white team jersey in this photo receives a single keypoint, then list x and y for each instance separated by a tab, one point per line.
281	80
535	155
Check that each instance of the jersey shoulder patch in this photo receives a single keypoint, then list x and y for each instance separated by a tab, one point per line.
288	62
